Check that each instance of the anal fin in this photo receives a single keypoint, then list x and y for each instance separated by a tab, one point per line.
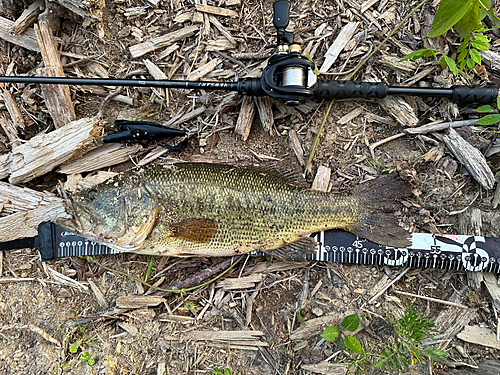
295	251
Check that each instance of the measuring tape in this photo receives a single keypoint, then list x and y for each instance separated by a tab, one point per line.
450	252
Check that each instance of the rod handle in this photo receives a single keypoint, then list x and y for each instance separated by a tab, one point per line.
331	89
474	94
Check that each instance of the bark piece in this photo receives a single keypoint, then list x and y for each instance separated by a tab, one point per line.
326	368
102	157
471	158
26	40
322	179
5	165
350	116
94	179
238	283
141	49
27	18
338	45
101	300
491	58
400	110
45	152
188	116
10	130
437	126
13	109
296	146
203	70
265	112
216	10
452	320
480	336
395	63
154	70
138	301
57	97
245	118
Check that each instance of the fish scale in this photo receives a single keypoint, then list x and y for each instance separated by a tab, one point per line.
199	209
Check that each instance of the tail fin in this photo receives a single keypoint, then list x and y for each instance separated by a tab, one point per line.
377	201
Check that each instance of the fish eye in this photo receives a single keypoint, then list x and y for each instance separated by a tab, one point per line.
92	194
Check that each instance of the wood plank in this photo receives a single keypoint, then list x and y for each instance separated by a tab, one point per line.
27	18
322	179
24	224
245	118
471	158
265	112
216	10
26	40
102	157
153	44
44	152
57	97
203	70
19	198
338	45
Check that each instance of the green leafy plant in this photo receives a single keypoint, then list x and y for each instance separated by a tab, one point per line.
336	334
226	371
466	17
406	351
490	119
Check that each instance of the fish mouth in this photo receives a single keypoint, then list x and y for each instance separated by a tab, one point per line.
88	228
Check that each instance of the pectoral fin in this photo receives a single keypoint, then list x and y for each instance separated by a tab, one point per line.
296	251
194	230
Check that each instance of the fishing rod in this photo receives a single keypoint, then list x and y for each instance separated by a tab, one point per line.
289	76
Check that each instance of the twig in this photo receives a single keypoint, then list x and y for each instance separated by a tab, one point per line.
387	286
437	126
431	299
373	146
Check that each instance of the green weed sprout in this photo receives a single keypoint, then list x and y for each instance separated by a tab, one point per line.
406	351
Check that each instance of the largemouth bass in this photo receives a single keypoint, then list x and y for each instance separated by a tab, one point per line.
198	209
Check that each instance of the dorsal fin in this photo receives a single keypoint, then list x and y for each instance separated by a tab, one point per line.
281	171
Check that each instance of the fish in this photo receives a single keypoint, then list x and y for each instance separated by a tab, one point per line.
203	209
